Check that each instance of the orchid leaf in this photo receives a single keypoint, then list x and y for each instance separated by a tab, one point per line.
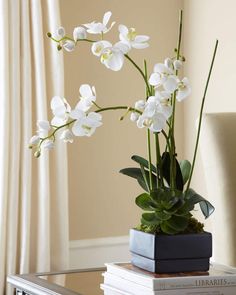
193	198
166	163
144	162
185	167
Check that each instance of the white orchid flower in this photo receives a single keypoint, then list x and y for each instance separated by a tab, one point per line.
69	45
100	28
163	103
157	111
86	125
184	89
79	33
155	123
60	33
113	57
61	110
87	97
98	47
67	136
130	37
43	127
48	144
34	140
163	76
140	106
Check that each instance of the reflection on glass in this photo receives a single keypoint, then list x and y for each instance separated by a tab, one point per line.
84	283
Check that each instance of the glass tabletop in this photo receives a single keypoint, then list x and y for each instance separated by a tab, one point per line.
84	283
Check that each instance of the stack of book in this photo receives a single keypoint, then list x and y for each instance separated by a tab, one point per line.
126	279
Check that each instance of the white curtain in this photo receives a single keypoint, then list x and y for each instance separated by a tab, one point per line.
33	192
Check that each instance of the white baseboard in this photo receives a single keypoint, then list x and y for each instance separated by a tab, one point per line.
96	252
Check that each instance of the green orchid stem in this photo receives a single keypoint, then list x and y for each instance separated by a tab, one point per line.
118	108
201	113
158	162
149	159
68	38
172	129
148	133
97	111
141	72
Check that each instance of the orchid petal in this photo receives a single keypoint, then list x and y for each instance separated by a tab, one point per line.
141	38
43	125
85	91
154	79
124	47
170	84
140	45
106	17
123	29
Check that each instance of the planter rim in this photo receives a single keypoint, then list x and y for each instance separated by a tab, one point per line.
177	235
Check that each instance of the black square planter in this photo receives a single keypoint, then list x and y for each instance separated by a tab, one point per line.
171	253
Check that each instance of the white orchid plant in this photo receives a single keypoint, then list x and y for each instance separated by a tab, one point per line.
168	199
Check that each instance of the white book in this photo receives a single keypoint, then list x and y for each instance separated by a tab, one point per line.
217	276
229	290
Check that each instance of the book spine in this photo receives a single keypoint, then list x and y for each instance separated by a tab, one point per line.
109	290
194	282
175	283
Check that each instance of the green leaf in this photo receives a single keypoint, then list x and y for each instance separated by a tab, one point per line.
145	202
176	206
143	162
193	198
167	229
162	215
185	167
150	219
178	223
166	171
135	173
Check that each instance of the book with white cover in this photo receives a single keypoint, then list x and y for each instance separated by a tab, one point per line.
229	290
217	276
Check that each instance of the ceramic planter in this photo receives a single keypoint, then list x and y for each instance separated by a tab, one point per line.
171	253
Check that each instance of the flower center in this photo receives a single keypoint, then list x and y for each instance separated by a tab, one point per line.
106	55
147	122
132	34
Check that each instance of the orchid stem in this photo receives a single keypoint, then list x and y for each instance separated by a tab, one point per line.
148	134
141	72
201	113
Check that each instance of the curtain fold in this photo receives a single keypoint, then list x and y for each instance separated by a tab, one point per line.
33	192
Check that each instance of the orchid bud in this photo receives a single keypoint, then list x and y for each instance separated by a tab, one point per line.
67	136
49	35
79	33
134	117
168	63
59	47
48	144
60	32
177	64
34	140
37	154
69	45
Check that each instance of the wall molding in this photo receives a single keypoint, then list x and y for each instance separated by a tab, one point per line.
96	252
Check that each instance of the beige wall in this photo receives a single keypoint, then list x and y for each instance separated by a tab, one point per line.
102	200
206	20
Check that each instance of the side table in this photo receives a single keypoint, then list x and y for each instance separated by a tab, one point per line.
74	282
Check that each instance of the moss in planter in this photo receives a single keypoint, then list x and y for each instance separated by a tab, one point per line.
194	226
